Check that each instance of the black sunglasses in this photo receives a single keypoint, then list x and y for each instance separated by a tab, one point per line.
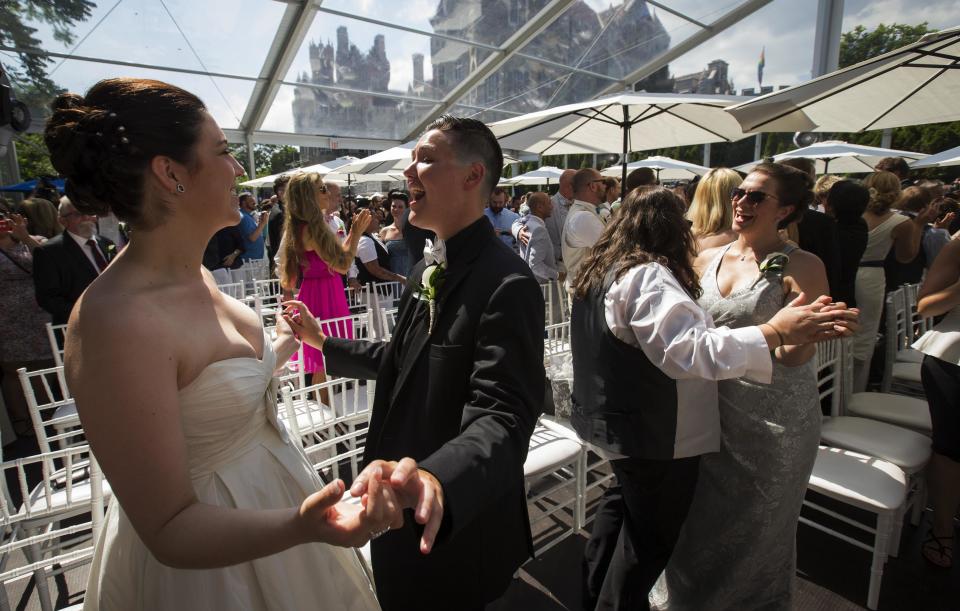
754	197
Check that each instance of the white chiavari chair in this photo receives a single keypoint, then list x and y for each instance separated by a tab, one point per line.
557	340
555	475
34	513
554	302
53	411
331	431
899	373
234	289
354	326
389	318
356	299
267	297
906	449
866	483
57	334
902	410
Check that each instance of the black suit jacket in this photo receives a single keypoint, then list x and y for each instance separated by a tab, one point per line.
61	272
819	235
463	404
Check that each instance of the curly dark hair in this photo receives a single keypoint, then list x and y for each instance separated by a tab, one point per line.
103	142
794	188
649	228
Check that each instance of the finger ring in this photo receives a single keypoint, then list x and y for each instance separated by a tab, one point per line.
376	533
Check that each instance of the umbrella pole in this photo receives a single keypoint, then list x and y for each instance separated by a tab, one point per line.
626	147
826	165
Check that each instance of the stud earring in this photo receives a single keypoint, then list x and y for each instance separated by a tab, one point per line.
180	188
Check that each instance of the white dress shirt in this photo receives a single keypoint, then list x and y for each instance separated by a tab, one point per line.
580	232
648	309
82	242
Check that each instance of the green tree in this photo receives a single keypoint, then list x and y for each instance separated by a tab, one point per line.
268	158
62	15
33	157
860	44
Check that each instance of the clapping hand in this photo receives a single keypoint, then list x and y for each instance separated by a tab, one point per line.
802	323
18	227
361	220
324	517
524	236
415	489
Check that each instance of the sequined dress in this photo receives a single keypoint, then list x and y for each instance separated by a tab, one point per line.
737	547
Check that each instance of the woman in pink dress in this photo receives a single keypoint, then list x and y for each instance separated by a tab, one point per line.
312	253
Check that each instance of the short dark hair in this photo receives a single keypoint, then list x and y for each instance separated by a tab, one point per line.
640	177
246	195
473	141
794	188
398	195
897	165
804	164
848	200
281	181
583	178
103	142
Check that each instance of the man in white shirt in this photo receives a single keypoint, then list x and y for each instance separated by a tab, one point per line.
583	226
65	265
562	200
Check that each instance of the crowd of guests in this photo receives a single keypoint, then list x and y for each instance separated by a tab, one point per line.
706	299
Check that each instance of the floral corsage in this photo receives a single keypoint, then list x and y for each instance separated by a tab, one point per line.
774	265
435	256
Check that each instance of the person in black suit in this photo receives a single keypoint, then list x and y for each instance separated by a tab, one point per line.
846	201
459	390
817	232
64	266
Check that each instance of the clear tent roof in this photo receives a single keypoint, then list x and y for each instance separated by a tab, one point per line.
368	74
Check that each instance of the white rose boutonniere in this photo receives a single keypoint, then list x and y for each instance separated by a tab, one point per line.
435	256
430	284
111	251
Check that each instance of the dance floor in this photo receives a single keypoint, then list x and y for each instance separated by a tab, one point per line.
832	575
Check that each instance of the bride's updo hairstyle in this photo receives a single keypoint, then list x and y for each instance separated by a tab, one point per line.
794	188
103	143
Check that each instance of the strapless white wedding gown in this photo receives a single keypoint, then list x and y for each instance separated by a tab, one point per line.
239	456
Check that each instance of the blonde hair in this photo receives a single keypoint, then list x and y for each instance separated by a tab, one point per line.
711	210
823	184
305	216
884	188
41	217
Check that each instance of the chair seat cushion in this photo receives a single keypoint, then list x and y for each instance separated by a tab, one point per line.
548	451
909	356
907	372
856	479
907	449
901	410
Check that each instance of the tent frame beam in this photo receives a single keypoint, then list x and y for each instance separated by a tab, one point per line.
552	11
734	16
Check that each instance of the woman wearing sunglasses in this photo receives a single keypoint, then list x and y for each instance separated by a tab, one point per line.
736	549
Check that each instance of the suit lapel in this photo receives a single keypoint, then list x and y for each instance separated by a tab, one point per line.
82	261
469	252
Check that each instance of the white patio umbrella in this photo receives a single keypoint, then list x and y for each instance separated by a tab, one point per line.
624	122
839	157
263	181
916	84
542	175
392	160
940	160
666	168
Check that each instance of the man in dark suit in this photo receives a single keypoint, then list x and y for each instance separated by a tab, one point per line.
64	266
459	389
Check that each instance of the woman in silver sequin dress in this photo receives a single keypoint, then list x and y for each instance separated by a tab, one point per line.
736	549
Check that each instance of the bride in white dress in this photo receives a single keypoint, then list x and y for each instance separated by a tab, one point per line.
213	507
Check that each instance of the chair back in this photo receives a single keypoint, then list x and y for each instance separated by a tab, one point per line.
829	368
53	411
554	302
330	422
918	324
356	299
897	334
389	318
234	289
557	339
57	334
353	326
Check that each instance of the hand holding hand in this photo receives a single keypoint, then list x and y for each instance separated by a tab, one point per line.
415	489
802	323
304	325
324	517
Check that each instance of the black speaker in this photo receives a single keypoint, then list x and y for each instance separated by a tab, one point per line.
802	139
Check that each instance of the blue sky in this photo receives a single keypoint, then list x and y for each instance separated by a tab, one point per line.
233	36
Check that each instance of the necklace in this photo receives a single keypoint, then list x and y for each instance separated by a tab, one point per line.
742	256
